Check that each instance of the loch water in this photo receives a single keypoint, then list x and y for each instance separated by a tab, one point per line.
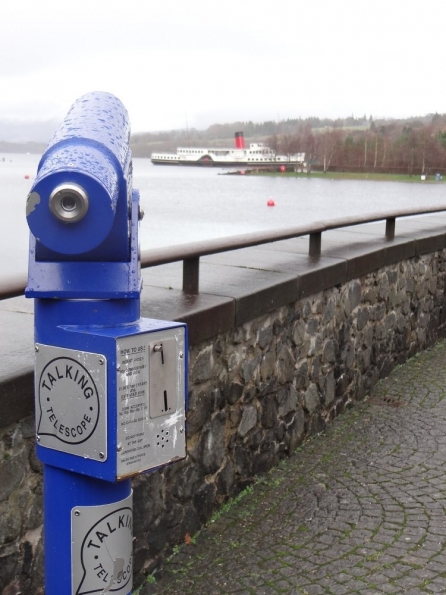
185	204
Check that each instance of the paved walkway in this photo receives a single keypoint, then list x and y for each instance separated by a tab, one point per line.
359	509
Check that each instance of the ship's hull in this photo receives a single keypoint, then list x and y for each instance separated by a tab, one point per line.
172	159
223	163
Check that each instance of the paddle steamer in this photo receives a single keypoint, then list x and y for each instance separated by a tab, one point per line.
258	154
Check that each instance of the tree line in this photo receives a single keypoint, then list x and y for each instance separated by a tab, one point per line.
412	146
401	146
143	144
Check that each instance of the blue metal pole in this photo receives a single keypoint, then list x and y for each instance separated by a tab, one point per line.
71	497
65	495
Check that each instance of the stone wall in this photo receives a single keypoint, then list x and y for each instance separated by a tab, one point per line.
255	394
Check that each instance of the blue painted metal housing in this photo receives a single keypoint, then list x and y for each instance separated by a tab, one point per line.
86	279
96	257
85	276
60	329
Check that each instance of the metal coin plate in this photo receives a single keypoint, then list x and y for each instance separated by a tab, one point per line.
71	401
101	548
150	400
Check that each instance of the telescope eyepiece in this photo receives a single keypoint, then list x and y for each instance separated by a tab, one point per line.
69	203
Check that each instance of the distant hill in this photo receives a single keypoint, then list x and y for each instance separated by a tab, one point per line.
32	137
143	144
31	147
26	131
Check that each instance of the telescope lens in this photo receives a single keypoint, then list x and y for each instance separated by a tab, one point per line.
69	203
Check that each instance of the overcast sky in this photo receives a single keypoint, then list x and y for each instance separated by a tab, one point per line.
195	62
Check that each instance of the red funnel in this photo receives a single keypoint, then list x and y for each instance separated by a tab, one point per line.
239	140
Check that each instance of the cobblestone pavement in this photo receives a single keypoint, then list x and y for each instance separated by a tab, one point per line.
359	509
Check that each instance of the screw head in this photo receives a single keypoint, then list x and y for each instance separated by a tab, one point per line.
101	361
101	455
36	348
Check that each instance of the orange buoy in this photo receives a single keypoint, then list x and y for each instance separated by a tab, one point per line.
271	203
282	168
26	177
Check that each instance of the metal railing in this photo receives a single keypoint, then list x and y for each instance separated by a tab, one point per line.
12	286
191	253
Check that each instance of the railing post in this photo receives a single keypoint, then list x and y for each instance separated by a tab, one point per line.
191	275
390	228
315	243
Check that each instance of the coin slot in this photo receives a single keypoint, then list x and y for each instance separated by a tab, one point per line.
163	372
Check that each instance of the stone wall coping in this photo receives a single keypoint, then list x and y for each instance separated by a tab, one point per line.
235	287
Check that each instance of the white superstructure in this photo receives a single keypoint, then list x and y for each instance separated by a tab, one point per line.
256	155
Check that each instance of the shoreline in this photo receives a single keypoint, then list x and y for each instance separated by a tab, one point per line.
378	177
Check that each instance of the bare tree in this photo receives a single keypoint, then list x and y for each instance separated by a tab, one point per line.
331	145
273	142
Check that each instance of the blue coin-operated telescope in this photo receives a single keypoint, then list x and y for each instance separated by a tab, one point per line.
110	387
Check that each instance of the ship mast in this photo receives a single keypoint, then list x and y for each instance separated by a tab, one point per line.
187	131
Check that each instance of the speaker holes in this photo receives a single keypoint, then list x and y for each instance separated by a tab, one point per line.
163	438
